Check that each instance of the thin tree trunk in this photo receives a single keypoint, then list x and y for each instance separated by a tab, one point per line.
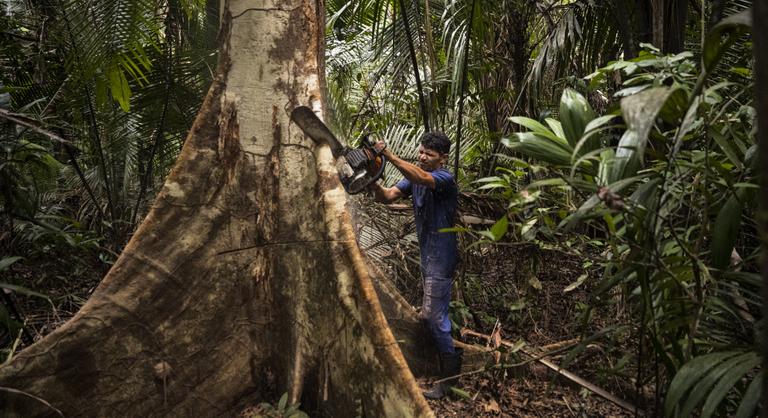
625	29
462	90
412	53
244	281
657	22
675	23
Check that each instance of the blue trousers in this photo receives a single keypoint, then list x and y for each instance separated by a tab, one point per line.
434	310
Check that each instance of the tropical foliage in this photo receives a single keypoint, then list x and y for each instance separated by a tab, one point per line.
95	102
639	158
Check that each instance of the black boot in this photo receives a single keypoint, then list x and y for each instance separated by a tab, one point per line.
450	368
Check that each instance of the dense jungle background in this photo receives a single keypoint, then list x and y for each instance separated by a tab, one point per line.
606	152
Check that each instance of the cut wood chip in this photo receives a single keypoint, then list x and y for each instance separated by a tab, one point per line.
492	406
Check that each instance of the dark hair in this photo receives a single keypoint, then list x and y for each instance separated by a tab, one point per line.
436	141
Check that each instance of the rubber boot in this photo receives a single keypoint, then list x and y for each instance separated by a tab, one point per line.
450	368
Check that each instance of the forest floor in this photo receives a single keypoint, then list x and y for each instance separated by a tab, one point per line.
546	319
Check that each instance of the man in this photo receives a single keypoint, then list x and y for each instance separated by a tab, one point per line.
433	192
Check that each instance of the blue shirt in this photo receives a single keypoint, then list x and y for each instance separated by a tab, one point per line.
433	210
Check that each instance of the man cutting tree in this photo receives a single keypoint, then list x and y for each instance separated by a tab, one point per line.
433	193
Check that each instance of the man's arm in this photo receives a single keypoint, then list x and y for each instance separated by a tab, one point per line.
385	194
410	171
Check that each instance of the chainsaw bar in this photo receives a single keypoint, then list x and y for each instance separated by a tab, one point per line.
308	121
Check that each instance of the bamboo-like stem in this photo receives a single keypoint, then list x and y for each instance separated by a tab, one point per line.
412	53
462	90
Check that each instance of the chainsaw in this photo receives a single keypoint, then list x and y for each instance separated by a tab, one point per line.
358	167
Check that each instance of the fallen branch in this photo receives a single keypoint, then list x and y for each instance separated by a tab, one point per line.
568	375
33	125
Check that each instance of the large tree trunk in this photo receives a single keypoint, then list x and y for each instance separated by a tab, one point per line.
245	280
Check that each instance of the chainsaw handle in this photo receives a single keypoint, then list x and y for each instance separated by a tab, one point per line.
374	178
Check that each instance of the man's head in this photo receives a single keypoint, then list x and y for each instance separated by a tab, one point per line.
433	151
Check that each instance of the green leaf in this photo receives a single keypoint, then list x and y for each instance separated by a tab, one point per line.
575	114
118	86
460	393
689	375
593	201
517	346
527	231
7	261
751	398
500	228
640	112
556	127
22	290
725	232
733	26
715	374
748	362
728	148
579	281
547	182
540	148
283	402
536	127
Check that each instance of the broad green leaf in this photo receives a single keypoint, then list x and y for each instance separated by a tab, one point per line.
575	114
598	122
556	127
283	402
22	290
733	26
751	398
706	383
725	232
547	182
7	261
690	374
118	86
500	228
536	127
593	201
540	148
748	362
640	112
728	147
676	106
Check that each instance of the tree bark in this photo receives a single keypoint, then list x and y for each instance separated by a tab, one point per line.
675	24
244	281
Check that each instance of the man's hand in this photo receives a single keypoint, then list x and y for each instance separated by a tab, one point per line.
381	147
384	194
